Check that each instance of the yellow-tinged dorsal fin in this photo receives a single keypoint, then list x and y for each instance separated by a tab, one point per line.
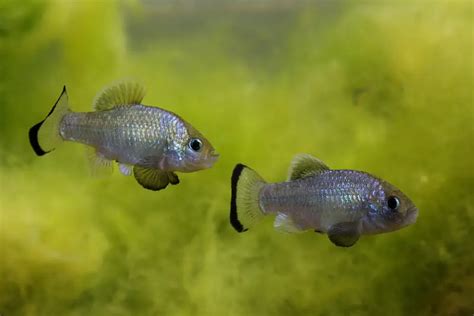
120	93
304	165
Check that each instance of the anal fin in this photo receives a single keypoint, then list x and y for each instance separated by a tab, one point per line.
344	234
154	179
99	165
285	223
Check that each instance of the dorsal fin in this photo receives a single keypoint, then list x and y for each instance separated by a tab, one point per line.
120	93
304	165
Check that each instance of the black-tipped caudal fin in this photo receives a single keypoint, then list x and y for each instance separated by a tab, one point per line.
244	205
33	135
44	136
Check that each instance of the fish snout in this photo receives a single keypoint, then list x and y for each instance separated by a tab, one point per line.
213	155
210	159
411	215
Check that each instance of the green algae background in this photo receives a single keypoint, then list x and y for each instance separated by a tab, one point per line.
380	86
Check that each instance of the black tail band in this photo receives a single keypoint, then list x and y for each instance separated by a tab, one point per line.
234	220
33	135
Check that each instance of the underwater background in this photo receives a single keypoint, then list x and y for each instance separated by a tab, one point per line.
380	86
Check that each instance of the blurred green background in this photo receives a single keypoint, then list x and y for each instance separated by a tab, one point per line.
380	86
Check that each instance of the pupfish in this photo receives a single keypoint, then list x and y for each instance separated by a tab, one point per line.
150	142
344	204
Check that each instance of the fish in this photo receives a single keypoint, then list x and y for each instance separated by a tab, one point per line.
148	141
344	204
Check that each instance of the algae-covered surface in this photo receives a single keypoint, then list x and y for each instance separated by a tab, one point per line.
380	86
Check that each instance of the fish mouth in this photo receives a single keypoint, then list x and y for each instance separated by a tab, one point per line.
213	156
412	215
211	159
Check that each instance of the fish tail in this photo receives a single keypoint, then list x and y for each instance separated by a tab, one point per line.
45	135
245	208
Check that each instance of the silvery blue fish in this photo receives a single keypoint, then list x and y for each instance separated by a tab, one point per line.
149	141
345	204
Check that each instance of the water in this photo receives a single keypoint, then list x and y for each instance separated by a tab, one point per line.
384	87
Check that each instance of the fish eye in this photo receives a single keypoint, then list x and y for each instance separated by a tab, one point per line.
195	144
393	203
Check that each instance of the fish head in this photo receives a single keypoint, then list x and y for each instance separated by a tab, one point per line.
391	210
195	152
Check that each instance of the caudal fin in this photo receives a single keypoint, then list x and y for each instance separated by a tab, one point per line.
44	136
244	205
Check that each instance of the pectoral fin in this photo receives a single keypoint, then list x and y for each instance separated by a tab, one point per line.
344	234
125	169
304	165
151	179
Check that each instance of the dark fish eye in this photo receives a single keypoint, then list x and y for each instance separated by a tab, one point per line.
195	144
393	203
